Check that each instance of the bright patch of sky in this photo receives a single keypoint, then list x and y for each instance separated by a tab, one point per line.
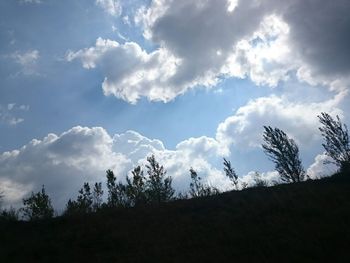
189	81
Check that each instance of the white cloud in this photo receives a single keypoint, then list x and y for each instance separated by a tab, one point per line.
322	167
298	119
131	72
63	162
27	60
270	177
200	42
9	113
31	1
112	7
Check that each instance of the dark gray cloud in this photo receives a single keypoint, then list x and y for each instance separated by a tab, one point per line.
201	42
319	32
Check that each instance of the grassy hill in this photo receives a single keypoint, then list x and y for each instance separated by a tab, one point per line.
307	221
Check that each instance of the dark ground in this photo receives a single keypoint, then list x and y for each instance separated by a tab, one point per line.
304	222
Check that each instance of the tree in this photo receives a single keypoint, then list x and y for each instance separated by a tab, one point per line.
159	187
136	187
116	192
1	198
97	196
38	206
284	152
84	199
197	188
111	184
10	214
230	173
84	202
336	137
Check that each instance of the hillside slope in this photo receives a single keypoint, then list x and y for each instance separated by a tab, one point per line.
308	221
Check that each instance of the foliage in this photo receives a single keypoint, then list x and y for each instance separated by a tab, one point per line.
230	173
197	188
159	188
336	137
10	214
1	198
116	192
38	206
284	152
136	187
258	181
284	223
97	196
84	201
111	185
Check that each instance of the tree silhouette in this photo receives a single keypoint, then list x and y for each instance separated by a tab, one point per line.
284	152
116	192
336	137
38	206
1	198
97	196
111	185
230	173
197	188
159	187
136	187
10	214
84	201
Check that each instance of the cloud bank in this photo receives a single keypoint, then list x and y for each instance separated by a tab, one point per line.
63	162
198	43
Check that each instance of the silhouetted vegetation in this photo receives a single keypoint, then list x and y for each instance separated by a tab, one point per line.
136	187
116	191
230	173
284	152
307	220
258	181
159	188
302	222
198	189
38	206
10	214
336	137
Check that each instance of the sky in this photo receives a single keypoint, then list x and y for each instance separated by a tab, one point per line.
91	85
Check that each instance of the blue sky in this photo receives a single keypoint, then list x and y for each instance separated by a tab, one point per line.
192	82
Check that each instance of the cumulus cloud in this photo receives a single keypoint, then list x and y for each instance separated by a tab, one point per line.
130	71
63	162
323	166
112	7
267	39
200	42
296	118
251	178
